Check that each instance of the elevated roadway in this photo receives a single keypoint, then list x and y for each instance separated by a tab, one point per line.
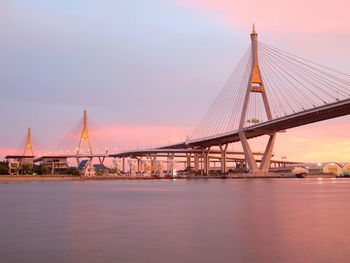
321	113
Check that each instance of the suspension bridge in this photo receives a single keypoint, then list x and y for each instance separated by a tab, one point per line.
269	91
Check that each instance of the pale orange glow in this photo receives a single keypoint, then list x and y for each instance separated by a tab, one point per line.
324	142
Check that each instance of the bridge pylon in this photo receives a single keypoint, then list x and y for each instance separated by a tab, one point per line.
256	85
84	136
29	146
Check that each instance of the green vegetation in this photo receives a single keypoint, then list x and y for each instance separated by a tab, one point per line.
34	169
114	171
73	171
27	169
4	167
40	170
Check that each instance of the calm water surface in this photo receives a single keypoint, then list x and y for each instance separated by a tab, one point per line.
271	220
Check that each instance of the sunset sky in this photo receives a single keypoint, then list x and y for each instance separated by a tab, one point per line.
147	70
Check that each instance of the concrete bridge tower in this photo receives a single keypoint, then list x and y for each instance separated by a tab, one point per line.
29	146
85	134
256	85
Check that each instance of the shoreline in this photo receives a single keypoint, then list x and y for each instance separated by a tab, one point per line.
65	178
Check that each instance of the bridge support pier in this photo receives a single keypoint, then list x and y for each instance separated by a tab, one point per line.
223	150
168	163
151	157
266	160
264	167
206	161
139	164
253	167
102	159
170	157
188	162
202	156
196	162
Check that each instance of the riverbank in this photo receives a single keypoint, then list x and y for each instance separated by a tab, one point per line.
95	178
28	178
49	178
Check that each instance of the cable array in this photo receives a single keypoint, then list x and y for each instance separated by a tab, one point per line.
292	84
224	112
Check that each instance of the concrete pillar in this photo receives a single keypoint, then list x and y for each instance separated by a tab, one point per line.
266	160
196	162
202	172
253	167
153	163
255	80
123	164
206	161
168	163
223	150
138	165
188	163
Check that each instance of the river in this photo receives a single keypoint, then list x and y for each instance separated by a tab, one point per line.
218	220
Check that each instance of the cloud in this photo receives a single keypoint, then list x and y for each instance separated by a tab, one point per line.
296	15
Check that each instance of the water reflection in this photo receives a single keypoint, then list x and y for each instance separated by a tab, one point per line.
296	220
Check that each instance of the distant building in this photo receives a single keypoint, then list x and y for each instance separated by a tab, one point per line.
346	169
86	168
56	164
333	168
18	162
329	167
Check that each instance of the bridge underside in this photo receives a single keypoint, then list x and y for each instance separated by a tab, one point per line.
321	113
198	159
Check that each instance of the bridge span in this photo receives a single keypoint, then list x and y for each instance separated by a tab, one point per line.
269	91
321	113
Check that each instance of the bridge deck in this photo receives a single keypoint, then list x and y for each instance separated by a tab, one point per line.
321	113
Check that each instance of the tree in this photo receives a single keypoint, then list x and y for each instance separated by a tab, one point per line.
4	168
41	169
73	171
27	169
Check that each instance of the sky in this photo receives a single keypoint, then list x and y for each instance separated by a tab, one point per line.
147	70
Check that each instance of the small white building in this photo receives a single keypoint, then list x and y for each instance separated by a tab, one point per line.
333	168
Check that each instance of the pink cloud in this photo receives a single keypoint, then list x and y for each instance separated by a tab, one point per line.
8	151
124	137
296	15
320	142
143	134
